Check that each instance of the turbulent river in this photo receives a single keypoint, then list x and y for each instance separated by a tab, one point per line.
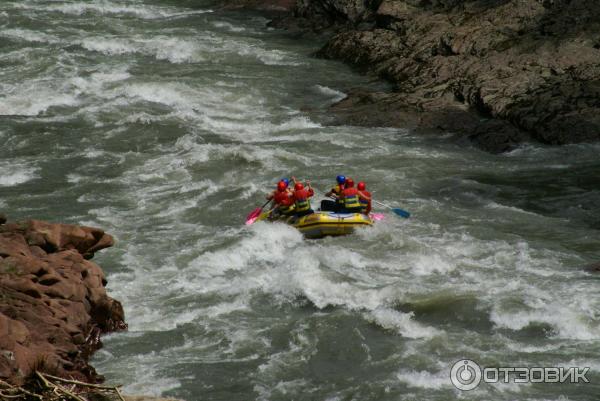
166	122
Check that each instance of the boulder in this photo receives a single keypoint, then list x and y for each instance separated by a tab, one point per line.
55	237
593	268
53	304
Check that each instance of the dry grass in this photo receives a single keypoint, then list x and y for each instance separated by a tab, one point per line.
47	387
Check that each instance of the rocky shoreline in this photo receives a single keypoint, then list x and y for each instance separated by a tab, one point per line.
53	310
497	72
53	304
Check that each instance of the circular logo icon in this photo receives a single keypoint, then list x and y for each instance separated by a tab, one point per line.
465	375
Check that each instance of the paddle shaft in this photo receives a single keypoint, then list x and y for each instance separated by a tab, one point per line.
396	210
382	204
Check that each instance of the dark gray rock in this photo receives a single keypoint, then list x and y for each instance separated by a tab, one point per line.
593	268
272	6
532	65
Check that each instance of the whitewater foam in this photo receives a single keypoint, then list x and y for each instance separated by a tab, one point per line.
228	26
425	379
33	99
333	94
105	7
568	321
402	323
430	264
174	50
145	376
29	36
15	173
255	49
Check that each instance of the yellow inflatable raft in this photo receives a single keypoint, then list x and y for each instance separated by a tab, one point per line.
322	224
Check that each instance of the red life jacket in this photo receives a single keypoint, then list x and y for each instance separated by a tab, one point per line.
284	202
283	198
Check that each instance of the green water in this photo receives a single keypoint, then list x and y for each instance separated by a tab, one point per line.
166	122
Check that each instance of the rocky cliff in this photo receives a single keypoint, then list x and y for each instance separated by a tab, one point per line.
496	71
53	304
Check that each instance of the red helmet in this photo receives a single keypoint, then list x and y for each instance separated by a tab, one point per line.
361	186
281	186
298	186
349	183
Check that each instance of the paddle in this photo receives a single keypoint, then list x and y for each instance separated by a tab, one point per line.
377	216
396	210
255	214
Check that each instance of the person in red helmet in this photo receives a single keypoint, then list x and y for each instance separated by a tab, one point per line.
302	199
350	197
282	199
364	197
271	195
285	182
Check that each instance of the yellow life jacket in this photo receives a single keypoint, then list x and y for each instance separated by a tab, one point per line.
352	202
364	204
338	191
302	205
286	209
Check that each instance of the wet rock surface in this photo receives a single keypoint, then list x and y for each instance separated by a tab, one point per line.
498	72
532	64
53	304
593	268
259	5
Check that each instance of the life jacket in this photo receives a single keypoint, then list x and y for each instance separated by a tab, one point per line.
351	200
338	191
365	203
284	202
301	199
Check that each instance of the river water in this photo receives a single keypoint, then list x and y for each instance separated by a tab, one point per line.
165	122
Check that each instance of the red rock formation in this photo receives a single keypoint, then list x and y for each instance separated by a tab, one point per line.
53	304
